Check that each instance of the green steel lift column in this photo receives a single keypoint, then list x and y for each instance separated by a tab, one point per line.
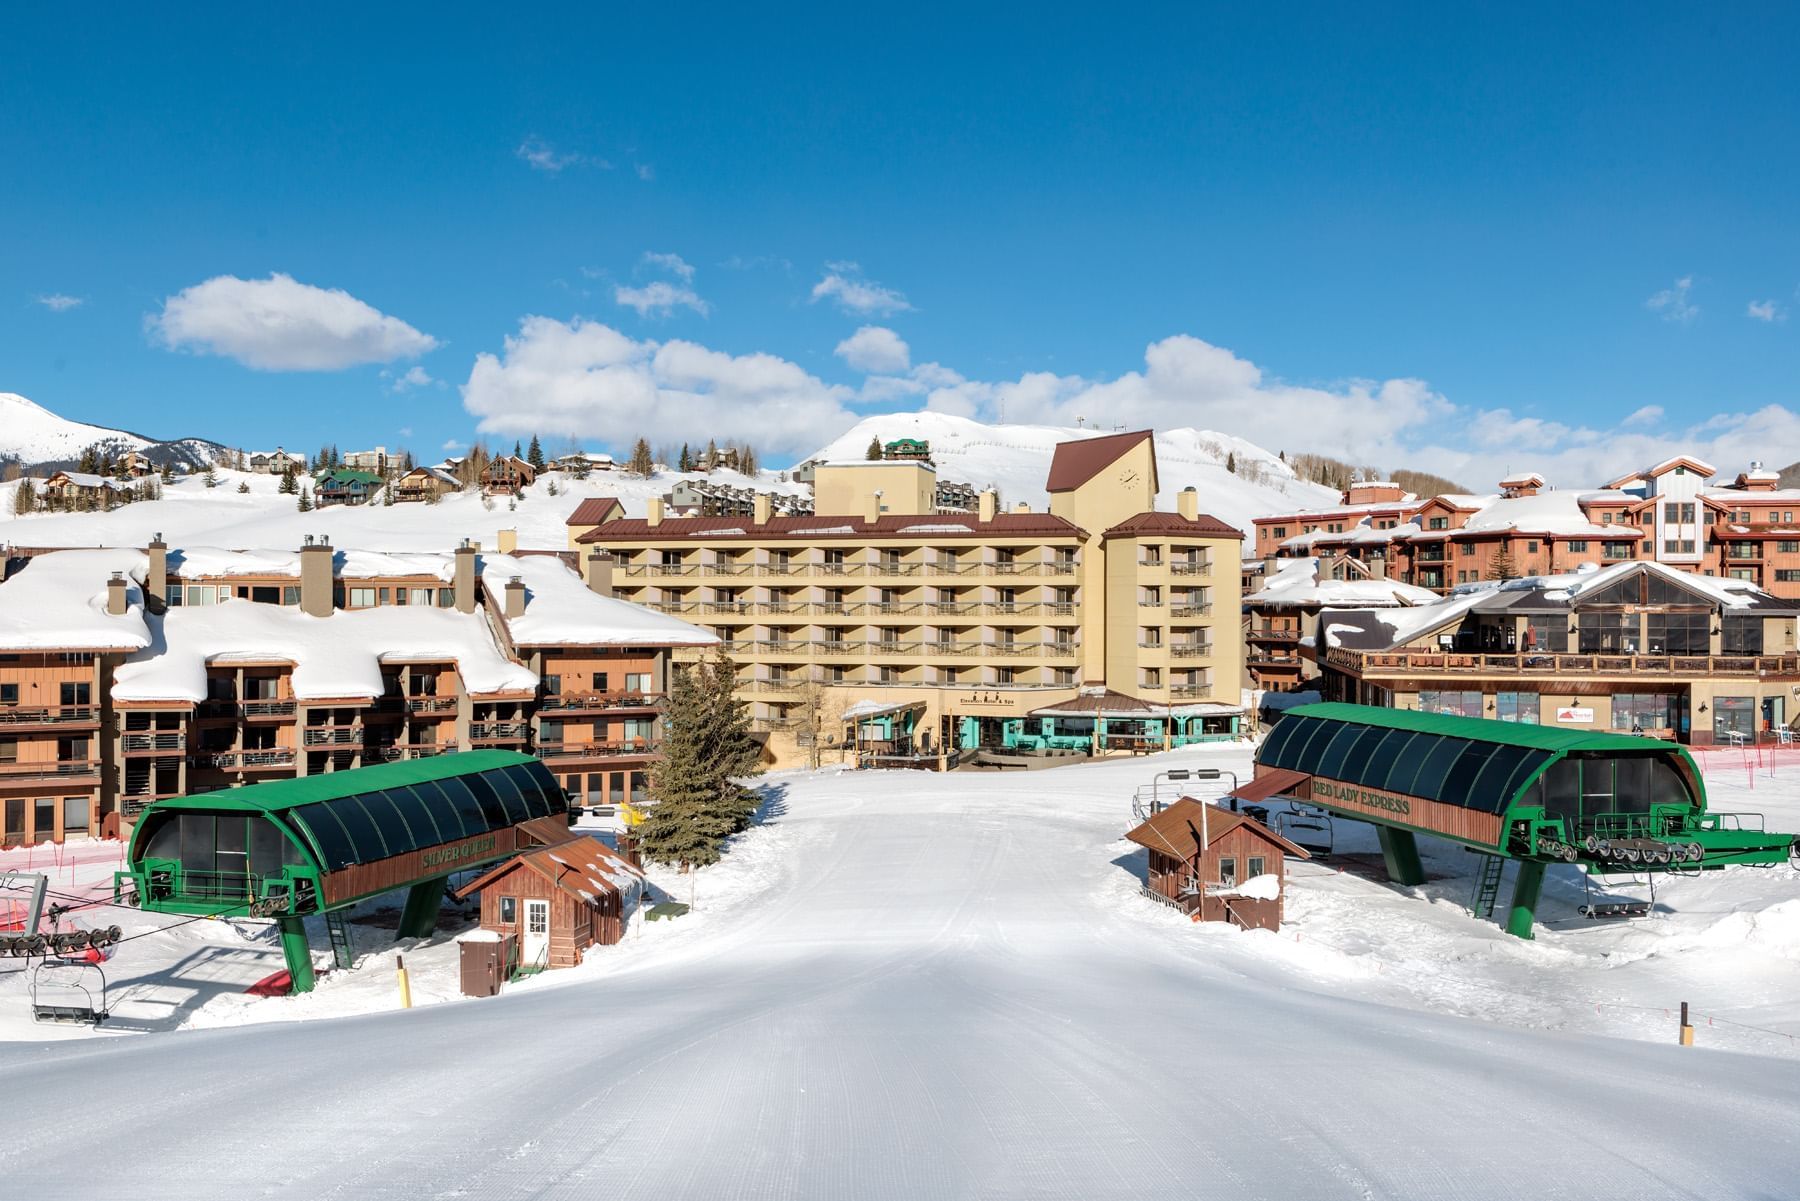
1400	851
419	917
297	951
1526	891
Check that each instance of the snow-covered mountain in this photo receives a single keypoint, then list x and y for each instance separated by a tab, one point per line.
1015	459
33	436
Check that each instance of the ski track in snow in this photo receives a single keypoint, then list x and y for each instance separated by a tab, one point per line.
934	988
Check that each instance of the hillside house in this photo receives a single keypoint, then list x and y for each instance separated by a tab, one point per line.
80	489
581	461
424	483
507	475
342	486
276	462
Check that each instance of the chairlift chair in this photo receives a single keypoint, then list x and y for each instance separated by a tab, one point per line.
68	992
1299	817
1618	910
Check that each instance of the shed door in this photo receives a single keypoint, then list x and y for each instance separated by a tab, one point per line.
536	947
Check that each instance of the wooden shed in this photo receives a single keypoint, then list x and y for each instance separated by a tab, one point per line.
558	900
1204	859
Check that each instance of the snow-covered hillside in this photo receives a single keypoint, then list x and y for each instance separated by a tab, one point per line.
192	514
32	435
1016	459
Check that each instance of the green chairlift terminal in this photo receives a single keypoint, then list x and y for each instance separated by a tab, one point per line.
1535	795
290	849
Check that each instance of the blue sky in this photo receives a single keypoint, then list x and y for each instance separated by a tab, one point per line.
1421	237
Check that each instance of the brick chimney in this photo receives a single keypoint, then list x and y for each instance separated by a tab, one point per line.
509	541
1187	503
765	507
464	579
872	507
115	594
515	598
653	514
985	506
600	573
315	576
156	583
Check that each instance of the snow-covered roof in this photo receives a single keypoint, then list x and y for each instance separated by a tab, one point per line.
1733	594
197	562
83	479
332	657
58	601
1544	513
1297	582
1744	495
561	610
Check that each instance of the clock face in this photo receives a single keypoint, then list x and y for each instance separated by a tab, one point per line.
1128	476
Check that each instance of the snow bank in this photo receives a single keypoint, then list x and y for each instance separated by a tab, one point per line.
560	609
59	600
336	656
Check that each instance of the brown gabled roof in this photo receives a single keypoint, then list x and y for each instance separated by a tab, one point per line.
545	831
594	510
1075	463
582	866
1205	526
829	528
1176	830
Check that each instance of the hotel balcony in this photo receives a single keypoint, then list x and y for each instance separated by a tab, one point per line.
266	757
15	718
596	702
153	742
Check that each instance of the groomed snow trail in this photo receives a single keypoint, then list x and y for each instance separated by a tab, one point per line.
934	1004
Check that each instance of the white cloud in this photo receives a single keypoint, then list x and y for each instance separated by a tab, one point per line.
674	264
59	302
406	431
585	379
451	444
1765	311
1673	303
1647	415
844	283
645	171
542	156
413	377
875	348
662	296
280	324
659	297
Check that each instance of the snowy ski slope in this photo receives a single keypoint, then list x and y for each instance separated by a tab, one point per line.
946	991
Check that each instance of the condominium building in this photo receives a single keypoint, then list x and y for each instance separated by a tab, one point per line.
1639	647
1279	615
1677	512
131	675
968	622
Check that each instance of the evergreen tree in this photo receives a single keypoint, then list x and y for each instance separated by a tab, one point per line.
243	486
304	504
289	485
168	473
734	754
387	496
211	478
684	827
535	455
25	500
1231	461
1503	566
874	451
710	459
687	458
322	460
90	461
747	459
517	451
642	464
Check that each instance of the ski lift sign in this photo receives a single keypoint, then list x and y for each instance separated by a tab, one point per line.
1573	715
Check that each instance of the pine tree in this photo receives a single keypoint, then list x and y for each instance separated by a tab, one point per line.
211	478
684	827
535	455
734	754
642	464
747	459
1231	461
387	496
874	451
25	500
304	504
710	459
1503	565
168	473
517	450
90	461
686	462
289	485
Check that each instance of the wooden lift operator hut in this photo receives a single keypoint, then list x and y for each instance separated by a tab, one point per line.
289	849
1536	795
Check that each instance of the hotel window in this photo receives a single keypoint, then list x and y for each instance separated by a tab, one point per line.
1741	635
362	598
1151	677
1678	546
1005	675
9	694
1531	547
1279	531
1678	633
75	815
1468	548
1438	523
1063	676
1643	711
1521	707
1787	548
423	596
1606	519
1458	704
9	751
1577	546
1615	550
1787	575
